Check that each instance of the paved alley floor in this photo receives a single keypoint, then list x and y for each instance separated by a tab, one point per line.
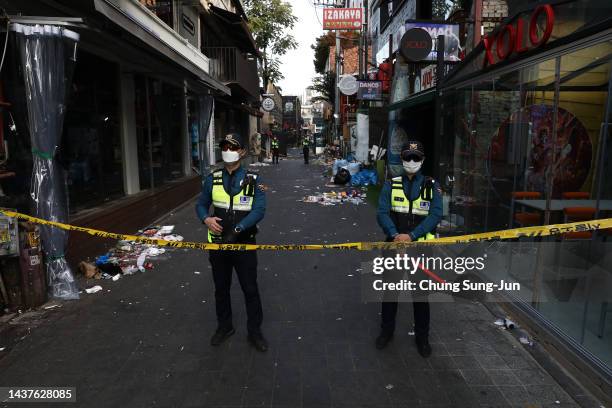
144	340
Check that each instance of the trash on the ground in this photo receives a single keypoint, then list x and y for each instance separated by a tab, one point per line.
338	164
364	178
353	196
2	348
411	333
499	322
342	177
259	164
94	289
87	269
339	318
197	272
509	324
128	257
49	307
526	341
389	386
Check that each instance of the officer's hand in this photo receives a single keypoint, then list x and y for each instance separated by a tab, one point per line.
402	238
213	225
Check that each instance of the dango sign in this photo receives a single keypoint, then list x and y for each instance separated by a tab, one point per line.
520	36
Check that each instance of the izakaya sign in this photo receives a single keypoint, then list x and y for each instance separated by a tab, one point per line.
520	36
342	18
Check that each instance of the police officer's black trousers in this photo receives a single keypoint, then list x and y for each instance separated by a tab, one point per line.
245	264
274	156
421	317
306	151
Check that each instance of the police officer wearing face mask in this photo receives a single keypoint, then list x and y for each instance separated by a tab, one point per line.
409	209
238	204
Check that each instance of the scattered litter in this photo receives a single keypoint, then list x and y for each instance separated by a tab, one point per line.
353	196
116	277
94	289
2	348
389	386
499	322
196	273
299	337
350	274
339	318
411	333
509	324
51	307
526	341
88	270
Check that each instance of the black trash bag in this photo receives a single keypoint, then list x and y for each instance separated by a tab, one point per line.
342	177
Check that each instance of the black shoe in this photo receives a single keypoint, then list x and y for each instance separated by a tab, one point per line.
221	335
423	346
383	340
258	341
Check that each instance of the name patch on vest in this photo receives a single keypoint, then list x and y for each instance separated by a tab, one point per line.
424	205
244	200
398	198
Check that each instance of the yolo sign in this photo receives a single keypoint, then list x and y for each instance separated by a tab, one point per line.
342	18
512	39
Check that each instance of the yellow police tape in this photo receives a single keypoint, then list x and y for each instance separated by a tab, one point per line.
538	231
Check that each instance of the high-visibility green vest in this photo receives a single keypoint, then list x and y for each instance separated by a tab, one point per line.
232	211
275	144
407	214
306	142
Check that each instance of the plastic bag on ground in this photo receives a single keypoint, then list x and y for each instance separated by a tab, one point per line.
364	178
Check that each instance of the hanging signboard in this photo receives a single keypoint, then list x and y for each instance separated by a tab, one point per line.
451	38
415	44
342	18
348	85
370	91
268	104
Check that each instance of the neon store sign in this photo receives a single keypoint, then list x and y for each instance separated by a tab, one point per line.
518	37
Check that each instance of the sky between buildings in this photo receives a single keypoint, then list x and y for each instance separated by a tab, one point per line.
297	65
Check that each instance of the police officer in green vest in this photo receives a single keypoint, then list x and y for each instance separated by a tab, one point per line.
306	148
238	204
409	209
275	146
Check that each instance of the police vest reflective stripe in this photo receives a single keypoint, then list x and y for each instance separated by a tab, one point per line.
221	199
274	144
418	208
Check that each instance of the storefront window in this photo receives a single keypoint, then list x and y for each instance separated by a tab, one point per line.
541	131
158	125
91	145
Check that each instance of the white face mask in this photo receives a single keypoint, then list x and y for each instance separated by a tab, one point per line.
230	157
411	167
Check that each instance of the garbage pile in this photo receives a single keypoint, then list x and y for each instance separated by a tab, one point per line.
344	172
129	257
352	196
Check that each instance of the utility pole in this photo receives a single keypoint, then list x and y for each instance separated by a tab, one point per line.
337	90
365	39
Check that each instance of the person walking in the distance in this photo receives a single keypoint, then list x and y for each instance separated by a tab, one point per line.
306	148
409	209
239	203
274	144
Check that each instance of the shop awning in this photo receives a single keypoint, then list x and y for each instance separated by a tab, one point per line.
139	22
418	99
238	28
